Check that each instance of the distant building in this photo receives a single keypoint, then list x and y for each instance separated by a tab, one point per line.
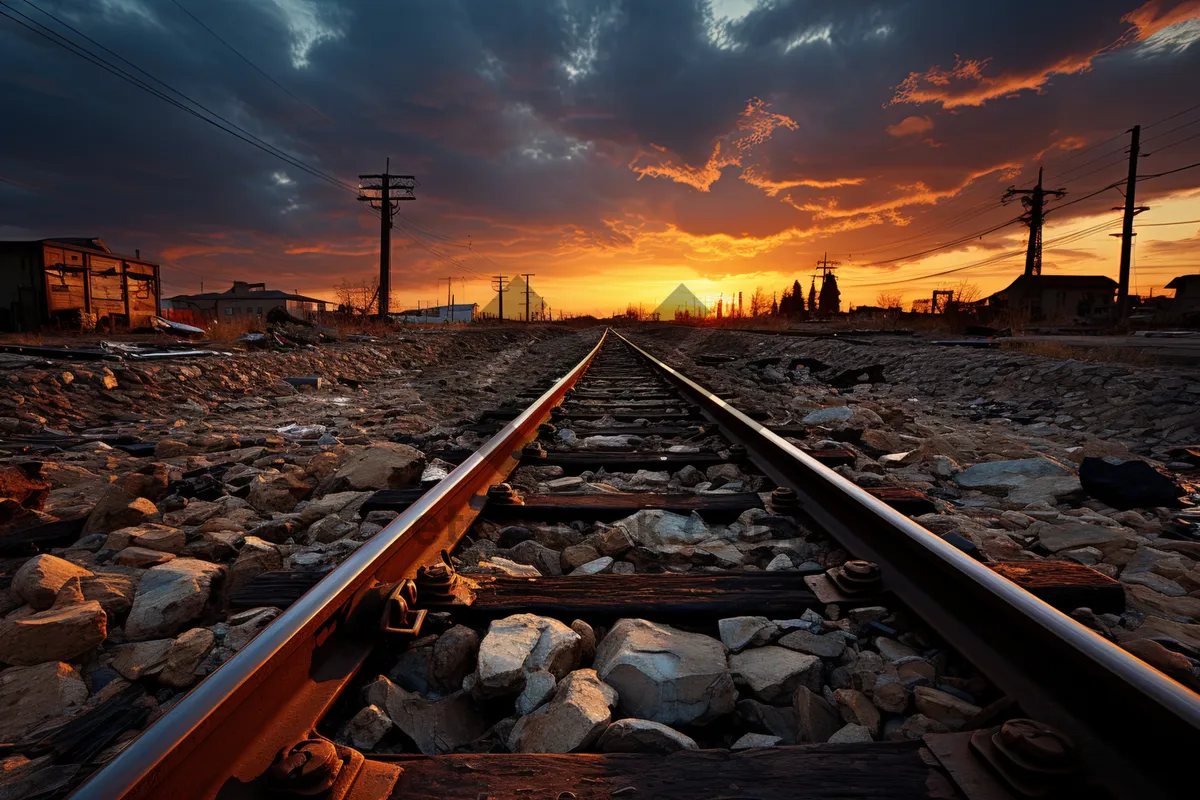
871	313
1051	297
681	302
514	303
71	282
1187	294
244	300
434	315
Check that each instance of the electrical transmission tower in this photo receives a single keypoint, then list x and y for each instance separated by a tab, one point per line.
500	286
384	192
1034	201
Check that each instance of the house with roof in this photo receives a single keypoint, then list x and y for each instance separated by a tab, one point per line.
1187	295
242	300
70	282
1057	297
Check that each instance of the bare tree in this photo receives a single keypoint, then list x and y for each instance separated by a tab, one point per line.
759	302
358	298
889	300
965	292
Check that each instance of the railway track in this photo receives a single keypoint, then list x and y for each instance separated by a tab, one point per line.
936	622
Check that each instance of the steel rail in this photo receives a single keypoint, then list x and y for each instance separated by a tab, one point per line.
1125	717
228	729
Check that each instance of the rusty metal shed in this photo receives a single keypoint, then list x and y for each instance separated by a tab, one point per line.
70	282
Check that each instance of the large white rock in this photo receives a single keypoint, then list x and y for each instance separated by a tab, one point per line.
539	688
828	416
518	645
435	726
149	535
184	657
828	645
66	630
816	719
643	736
1008	475
572	721
30	696
654	528
738	633
170	596
852	734
38	580
141	660
666	675
366	728
944	707
385	465
774	673
1078	534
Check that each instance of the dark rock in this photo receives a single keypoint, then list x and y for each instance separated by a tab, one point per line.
1131	484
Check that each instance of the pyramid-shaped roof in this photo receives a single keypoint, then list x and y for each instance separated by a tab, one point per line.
679	301
514	302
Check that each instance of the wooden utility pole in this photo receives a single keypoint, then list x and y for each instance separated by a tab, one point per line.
527	276
449	281
1034	201
501	287
1131	210
384	192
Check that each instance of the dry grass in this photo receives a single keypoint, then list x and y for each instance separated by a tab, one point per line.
24	338
230	330
361	325
1062	352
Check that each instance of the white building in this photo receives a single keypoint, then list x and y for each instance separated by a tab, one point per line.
435	315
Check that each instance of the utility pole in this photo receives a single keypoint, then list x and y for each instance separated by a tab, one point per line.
1034	201
1131	209
501	287
527	276
827	266
384	192
449	280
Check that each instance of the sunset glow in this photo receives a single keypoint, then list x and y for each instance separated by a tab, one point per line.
618	150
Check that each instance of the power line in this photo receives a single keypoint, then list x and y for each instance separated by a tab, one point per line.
1172	130
952	243
56	38
1172	116
1108	154
1173	144
254	66
1049	243
1168	172
1161	224
1089	149
977	210
1110	165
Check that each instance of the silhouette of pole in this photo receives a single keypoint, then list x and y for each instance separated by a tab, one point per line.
527	276
1034	201
384	192
1131	209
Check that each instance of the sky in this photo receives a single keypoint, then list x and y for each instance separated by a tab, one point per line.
611	148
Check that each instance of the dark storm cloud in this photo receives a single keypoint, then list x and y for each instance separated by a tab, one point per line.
521	118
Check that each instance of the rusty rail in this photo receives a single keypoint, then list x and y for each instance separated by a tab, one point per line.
1124	715
227	731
